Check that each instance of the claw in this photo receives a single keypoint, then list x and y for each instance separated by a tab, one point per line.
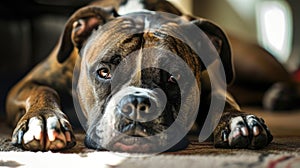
225	135
20	135
52	123
256	131
236	132
52	134
68	136
245	131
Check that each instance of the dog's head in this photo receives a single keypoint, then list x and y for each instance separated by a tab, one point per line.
139	83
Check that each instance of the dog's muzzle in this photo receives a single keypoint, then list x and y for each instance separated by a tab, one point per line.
135	121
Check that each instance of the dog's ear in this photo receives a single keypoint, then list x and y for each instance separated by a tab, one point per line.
221	43
80	26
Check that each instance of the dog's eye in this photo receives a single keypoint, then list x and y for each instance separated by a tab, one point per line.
173	78
104	73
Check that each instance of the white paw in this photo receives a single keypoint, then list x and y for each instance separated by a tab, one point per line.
43	132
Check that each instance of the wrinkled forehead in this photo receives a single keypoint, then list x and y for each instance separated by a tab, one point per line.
123	35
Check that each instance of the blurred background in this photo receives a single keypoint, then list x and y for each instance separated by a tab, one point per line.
29	29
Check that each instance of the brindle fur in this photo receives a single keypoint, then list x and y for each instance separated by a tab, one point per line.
39	93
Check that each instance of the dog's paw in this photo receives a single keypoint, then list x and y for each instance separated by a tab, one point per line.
246	131
44	131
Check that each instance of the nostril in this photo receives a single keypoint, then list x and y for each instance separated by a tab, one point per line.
128	108
143	108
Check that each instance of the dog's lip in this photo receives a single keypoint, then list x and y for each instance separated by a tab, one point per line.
132	143
134	148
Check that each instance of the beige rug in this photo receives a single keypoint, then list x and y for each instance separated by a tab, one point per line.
107	159
283	152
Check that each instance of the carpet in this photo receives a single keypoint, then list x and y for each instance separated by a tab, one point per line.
108	159
283	152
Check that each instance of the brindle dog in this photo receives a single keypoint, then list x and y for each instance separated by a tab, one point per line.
97	40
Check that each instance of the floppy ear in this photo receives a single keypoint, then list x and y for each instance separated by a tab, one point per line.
80	26
221	43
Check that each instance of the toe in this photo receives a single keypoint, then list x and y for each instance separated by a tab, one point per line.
60	134
67	128
35	130
56	138
238	137
258	132
18	133
237	140
33	139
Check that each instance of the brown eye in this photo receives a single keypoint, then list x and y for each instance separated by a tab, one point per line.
174	79
104	73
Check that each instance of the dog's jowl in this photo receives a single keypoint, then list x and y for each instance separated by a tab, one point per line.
140	81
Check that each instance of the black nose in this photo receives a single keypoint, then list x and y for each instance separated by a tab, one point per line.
137	107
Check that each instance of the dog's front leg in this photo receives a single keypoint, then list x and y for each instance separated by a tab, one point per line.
39	123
